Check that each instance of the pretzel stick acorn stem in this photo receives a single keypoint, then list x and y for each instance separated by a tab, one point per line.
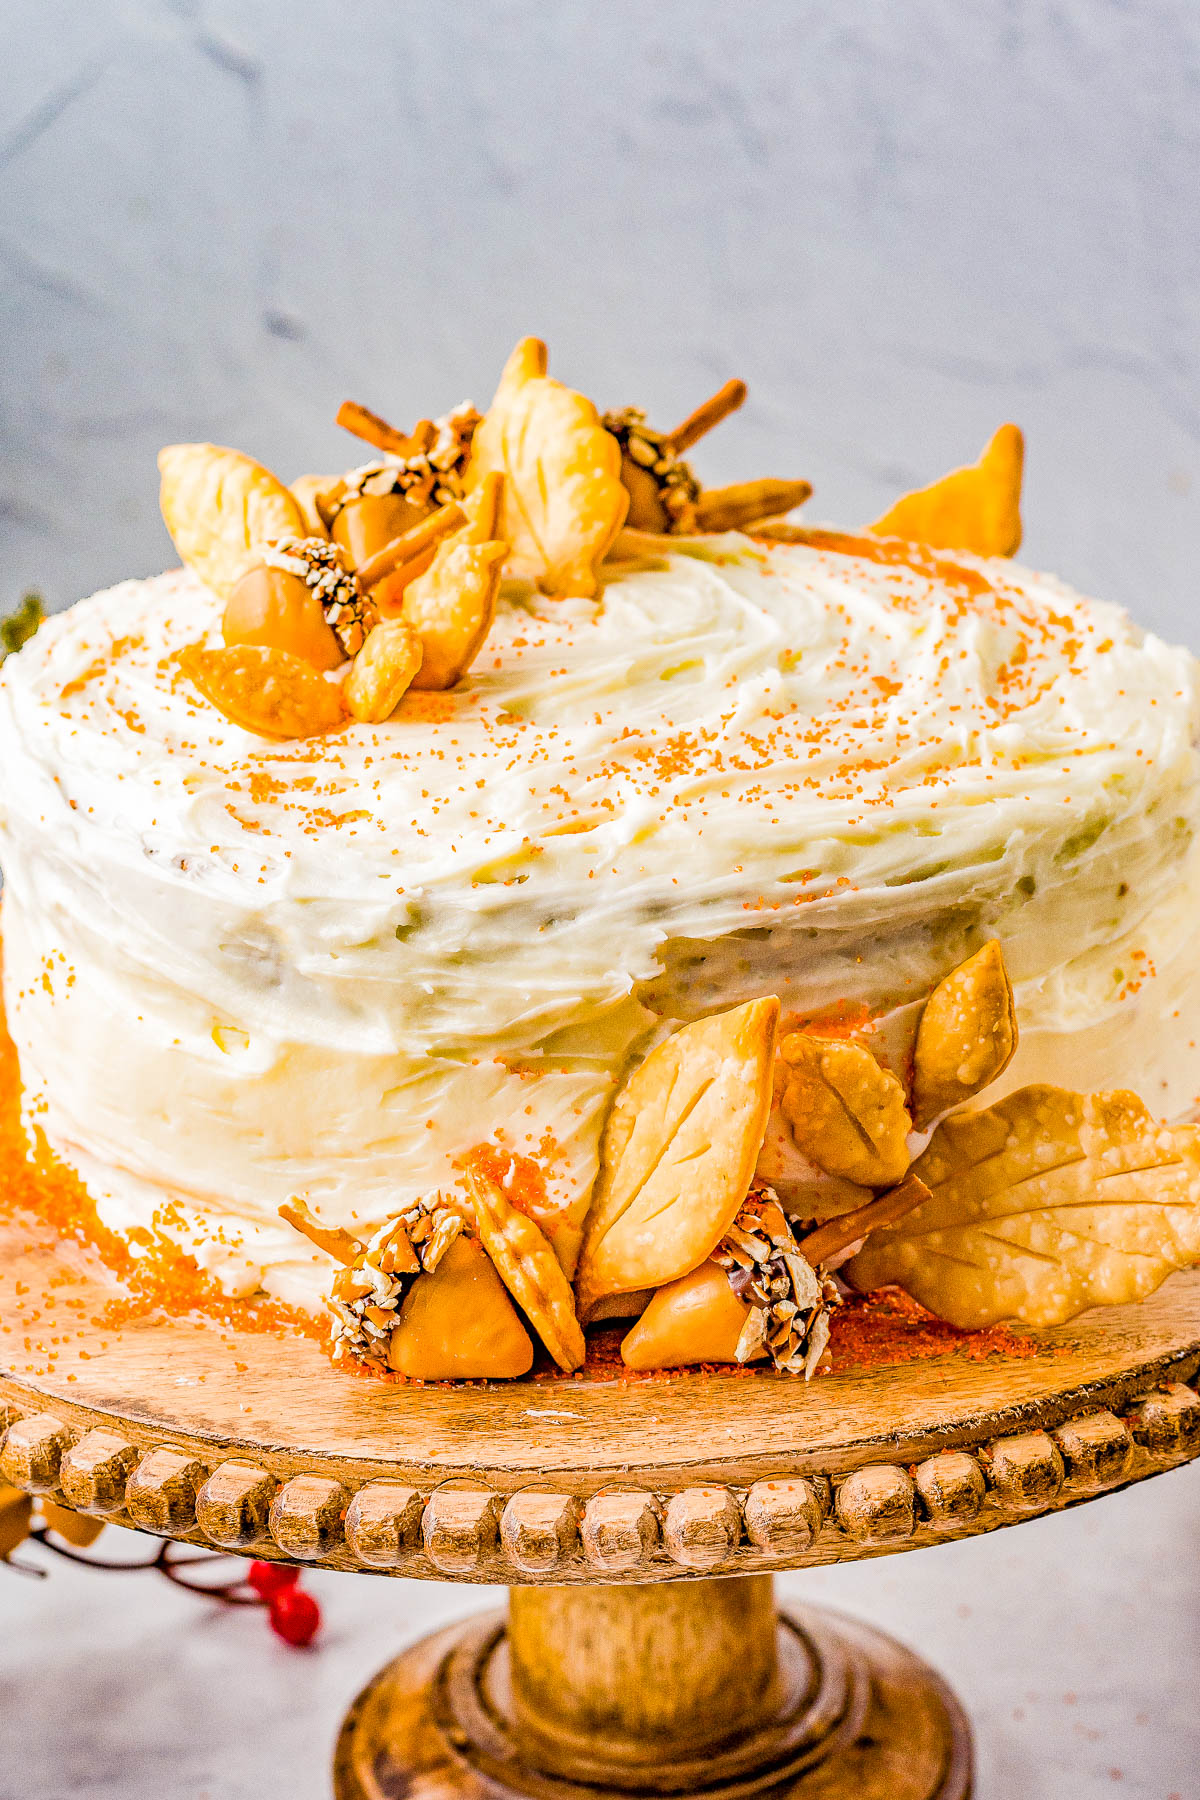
362	423
698	424
838	1234
410	543
486	520
733	508
330	1238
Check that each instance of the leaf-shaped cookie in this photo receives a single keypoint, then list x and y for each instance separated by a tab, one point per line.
266	691
977	508
846	1112
529	1269
966	1037
678	1153
383	671
220	507
564	501
1042	1205
450	608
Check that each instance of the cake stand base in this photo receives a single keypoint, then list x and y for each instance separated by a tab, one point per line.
692	1687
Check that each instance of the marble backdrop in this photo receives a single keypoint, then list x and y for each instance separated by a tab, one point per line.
901	220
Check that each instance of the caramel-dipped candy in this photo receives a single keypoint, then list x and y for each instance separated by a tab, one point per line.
459	1322
697	1319
279	611
365	524
646	509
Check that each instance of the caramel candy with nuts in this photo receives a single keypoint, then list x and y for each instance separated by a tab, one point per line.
846	1112
365	524
459	1322
697	1319
966	1037
279	611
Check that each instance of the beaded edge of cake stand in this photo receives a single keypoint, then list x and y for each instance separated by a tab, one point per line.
469	1532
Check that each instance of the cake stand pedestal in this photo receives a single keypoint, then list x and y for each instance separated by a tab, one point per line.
636	1522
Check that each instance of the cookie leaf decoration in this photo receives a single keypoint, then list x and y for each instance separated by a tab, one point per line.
529	1269
265	691
450	609
966	1037
220	508
383	671
564	501
1042	1205
678	1153
977	508
846	1112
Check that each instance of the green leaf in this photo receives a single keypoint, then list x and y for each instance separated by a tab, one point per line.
19	626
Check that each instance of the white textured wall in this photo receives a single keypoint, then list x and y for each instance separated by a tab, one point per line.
901	220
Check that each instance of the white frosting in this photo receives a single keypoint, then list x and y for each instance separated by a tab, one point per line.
239	969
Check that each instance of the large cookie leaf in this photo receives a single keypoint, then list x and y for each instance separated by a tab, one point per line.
1042	1205
678	1153
220	507
564	501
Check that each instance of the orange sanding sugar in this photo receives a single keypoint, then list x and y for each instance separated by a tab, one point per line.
154	1276
519	1176
874	1331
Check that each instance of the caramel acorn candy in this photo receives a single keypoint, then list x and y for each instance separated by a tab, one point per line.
697	1319
279	611
646	509
459	1322
365	524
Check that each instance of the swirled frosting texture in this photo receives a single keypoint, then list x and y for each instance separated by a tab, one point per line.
237	969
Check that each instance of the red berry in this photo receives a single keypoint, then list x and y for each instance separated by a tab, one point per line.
268	1579
295	1615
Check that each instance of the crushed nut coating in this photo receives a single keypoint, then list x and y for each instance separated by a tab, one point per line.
678	488
788	1298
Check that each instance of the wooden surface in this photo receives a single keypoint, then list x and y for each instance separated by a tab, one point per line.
620	1692
198	1431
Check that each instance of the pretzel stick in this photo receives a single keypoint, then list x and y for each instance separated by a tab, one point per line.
486	510
410	543
733	508
718	406
838	1234
330	1238
360	422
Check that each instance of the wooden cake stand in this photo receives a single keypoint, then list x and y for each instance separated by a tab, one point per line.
601	1503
